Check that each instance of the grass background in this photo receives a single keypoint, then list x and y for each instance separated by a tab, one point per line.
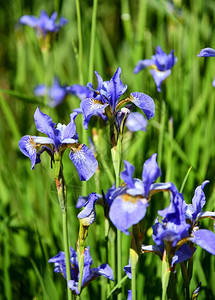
182	132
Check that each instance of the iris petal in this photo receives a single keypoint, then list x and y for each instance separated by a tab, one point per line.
142	64
84	161
207	52
44	123
144	102
150	173
205	239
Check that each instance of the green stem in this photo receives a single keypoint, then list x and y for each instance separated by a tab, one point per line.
161	133
80	42
92	41
116	157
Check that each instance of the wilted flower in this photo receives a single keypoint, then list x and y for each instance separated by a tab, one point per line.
88	273
59	138
56	93
208	52
161	64
88	214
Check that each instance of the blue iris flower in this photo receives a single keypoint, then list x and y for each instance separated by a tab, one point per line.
129	204
180	226
161	64
56	93
59	138
89	273
88	214
105	100
208	52
43	25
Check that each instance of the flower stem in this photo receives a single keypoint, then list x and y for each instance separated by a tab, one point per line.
116	157
92	41
134	259
61	191
80	42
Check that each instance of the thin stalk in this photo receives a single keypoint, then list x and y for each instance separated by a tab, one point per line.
116	157
134	259
92	41
80	43
161	133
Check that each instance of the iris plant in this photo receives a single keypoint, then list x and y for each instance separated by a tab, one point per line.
46	28
105	101
89	274
161	64
208	52
59	138
129	206
43	25
179	227
56	93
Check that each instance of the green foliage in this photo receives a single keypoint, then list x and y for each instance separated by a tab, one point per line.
183	132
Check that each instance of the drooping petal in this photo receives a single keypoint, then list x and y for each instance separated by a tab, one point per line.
159	77
126	211
84	161
59	262
44	123
136	121
73	285
182	254
205	239
27	145
142	64
150	173
129	295
28	20
103	270
144	102
207	52
81	91
127	174
91	107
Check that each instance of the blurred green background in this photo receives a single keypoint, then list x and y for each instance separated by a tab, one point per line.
182	132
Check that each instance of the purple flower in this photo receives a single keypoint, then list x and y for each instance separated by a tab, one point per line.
59	138
88	214
208	52
180	226
129	205
88	273
56	93
105	100
161	64
43	25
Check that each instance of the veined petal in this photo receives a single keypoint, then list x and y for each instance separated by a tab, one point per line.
126	211
182	254
144	102
84	161
127	174
27	145
29	20
91	107
136	121
142	64
44	123
205	239
207	52
159	77
150	173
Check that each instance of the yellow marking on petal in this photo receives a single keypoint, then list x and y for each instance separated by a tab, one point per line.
133	199
97	101
154	67
32	142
